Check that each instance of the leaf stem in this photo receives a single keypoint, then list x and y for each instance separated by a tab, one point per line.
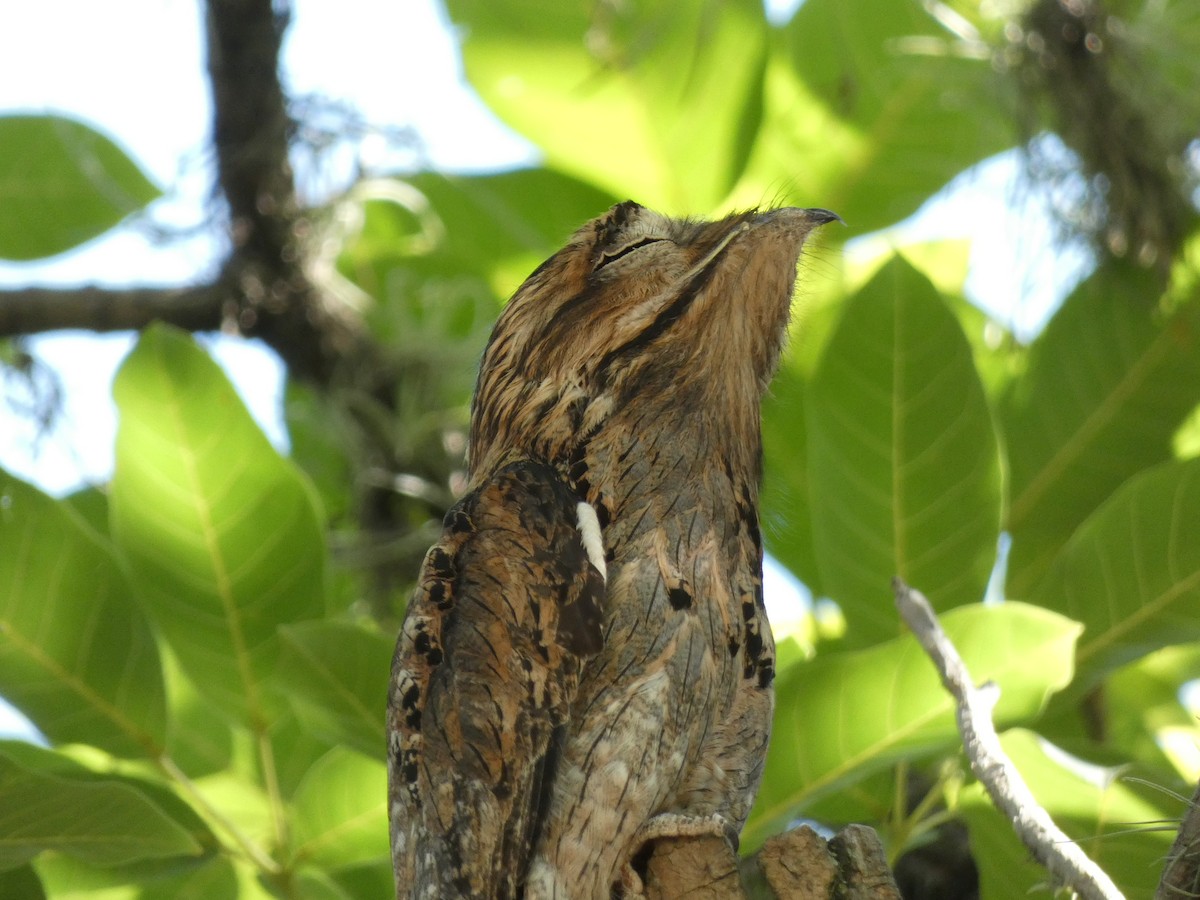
257	854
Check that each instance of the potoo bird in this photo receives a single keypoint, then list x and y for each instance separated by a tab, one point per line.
586	663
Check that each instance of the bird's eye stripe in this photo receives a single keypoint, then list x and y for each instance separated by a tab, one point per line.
607	257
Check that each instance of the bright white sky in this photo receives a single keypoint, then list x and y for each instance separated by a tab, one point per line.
135	70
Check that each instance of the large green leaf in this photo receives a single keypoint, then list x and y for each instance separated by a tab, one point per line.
23	883
1131	574
499	226
63	183
200	738
221	534
851	109
76	653
1107	385
340	811
1112	819
786	509
335	675
208	879
1137	717
659	100
846	715
101	822
903	463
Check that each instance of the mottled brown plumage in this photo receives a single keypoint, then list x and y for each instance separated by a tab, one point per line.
586	664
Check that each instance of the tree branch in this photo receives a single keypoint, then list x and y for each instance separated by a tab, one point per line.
795	865
1181	877
1049	845
30	310
265	274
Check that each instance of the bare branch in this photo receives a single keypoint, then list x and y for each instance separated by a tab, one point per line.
266	272
32	310
1049	845
1181	877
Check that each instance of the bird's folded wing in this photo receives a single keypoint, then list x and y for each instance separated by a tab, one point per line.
507	608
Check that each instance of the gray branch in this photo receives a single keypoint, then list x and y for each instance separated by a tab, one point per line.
1048	844
31	310
1181	877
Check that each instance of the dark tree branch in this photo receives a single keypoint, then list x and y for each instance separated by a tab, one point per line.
263	289
265	273
29	310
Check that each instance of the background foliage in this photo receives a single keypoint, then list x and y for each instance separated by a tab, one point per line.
204	642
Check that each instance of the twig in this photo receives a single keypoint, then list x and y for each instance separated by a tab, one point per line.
1049	845
1181	877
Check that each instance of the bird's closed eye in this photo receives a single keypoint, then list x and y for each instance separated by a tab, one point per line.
611	256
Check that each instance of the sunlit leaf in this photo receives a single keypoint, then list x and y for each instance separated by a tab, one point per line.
1131	573
499	226
334	674
222	535
76	653
903	462
63	183
107	823
847	715
200	738
1107	385
340	811
296	749
1142	701
849	113
67	878
657	101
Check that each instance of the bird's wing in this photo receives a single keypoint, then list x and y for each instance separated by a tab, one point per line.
507	608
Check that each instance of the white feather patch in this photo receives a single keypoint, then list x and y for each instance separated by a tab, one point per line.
593	541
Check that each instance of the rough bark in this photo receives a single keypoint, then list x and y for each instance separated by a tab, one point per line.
796	865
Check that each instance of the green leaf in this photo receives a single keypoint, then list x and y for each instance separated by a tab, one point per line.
1131	574
136	776
76	653
313	884
659	100
903	462
296	751
221	534
1142	703
499	226
374	879
1092	805
340	811
847	715
63	184
210	878
23	883
786	506
1107	385
335	675
1137	715
200	739
104	823
851	107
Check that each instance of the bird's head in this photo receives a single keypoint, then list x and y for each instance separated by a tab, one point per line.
640	314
